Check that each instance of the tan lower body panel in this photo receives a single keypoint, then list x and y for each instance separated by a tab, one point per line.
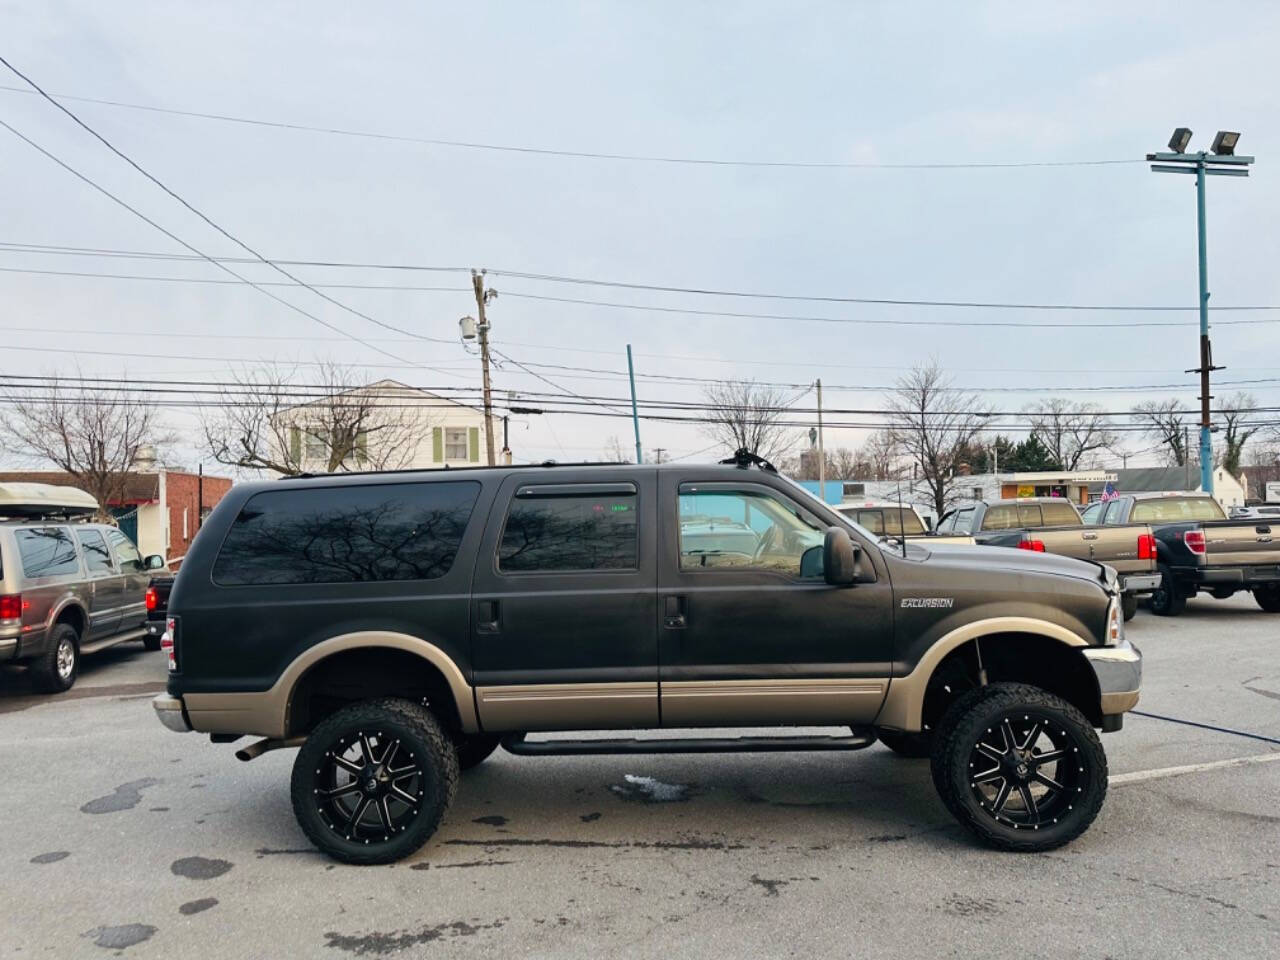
1119	702
700	703
568	706
252	713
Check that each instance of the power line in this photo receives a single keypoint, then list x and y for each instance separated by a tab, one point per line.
588	155
663	288
142	216
681	311
208	220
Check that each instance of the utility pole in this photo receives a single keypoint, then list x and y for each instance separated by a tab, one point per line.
482	298
657	454
635	417
1220	160
822	457
506	445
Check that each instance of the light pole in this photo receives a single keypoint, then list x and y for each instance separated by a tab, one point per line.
1219	161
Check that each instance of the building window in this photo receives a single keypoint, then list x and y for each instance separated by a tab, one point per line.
455	443
316	444
184	523
977	493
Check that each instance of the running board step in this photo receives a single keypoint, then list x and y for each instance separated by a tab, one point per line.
105	642
518	744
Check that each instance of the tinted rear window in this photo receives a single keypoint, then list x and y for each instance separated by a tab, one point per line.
1059	514
96	555
570	533
47	552
888	521
1001	518
394	531
1175	509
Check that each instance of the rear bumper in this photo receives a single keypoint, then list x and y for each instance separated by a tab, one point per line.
170	712
1118	670
8	648
1241	576
155	628
1140	583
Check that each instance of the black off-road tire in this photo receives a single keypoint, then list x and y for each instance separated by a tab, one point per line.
474	748
1168	600
49	671
417	732
1268	597
150	643
1129	606
1084	779
916	746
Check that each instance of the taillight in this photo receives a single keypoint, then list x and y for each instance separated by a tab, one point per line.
1026	543
1194	539
152	599
11	606
1146	546
167	642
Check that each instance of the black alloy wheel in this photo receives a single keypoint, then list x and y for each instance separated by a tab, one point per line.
1167	600
1268	597
372	782
1022	769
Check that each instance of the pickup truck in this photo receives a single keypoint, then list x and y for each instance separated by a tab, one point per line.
157	602
1052	525
890	519
397	628
1198	548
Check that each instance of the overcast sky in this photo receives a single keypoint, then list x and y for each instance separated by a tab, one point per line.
834	82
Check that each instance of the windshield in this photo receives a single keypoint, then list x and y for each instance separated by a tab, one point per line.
885	521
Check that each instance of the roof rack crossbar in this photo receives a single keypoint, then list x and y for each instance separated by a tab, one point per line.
745	458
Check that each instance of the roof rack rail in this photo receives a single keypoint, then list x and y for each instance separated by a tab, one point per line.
745	458
452	469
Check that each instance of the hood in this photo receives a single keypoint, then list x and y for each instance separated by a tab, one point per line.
1014	560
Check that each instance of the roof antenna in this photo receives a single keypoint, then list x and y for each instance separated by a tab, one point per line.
902	527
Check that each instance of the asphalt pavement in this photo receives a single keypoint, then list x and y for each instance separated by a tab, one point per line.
121	836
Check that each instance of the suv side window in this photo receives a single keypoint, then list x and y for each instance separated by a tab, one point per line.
347	533
96	555
126	553
1001	517
1112	514
778	531
47	552
557	529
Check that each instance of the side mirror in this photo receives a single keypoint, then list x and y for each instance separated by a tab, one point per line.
153	562
839	558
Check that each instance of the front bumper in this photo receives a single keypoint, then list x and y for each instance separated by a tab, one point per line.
1118	670
1140	583
170	712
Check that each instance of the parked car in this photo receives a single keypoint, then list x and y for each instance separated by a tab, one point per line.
68	588
1052	525
888	518
399	627
1198	548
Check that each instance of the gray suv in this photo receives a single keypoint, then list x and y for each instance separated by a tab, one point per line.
68	589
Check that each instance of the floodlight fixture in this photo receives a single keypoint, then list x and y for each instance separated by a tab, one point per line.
1224	144
1180	139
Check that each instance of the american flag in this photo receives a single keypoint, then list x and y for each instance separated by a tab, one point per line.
1109	492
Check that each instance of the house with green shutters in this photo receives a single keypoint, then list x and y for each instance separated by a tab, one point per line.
385	425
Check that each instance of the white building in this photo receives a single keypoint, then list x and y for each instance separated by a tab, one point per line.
395	427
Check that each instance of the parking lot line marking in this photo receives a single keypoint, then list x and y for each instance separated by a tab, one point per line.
1138	776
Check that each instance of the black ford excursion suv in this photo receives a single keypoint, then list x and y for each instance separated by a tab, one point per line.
398	627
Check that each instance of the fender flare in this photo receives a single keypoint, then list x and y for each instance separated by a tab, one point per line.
266	712
903	707
63	604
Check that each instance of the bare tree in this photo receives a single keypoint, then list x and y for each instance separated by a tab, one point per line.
883	456
934	424
1238	427
745	415
1071	431
614	452
265	420
1164	424
93	433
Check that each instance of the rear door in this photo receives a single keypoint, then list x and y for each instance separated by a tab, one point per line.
105	584
133	581
563	610
758	636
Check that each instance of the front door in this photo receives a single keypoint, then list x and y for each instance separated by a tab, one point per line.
563	610
751	632
105	584
134	580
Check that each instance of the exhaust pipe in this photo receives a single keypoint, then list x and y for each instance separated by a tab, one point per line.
254	750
